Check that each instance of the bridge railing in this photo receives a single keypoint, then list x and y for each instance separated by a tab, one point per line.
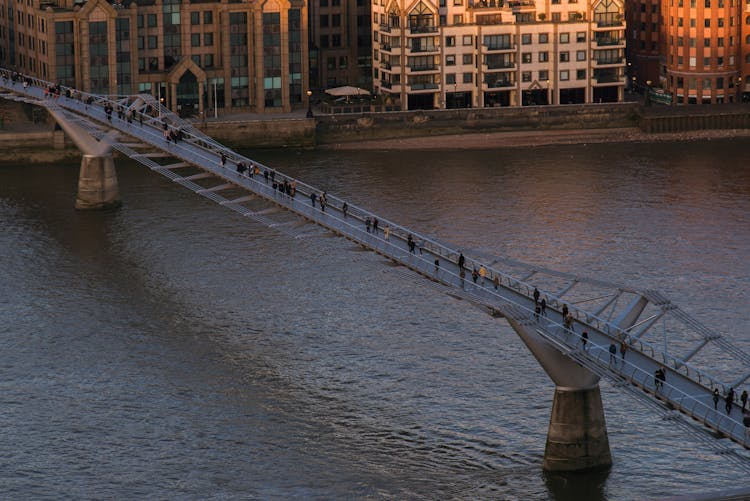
156	115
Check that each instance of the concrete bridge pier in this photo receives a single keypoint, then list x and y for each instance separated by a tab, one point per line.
97	179
97	183
577	435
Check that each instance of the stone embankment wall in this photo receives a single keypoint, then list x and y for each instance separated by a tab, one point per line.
272	133
682	122
355	127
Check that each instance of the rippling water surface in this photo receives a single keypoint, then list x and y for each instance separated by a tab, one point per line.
173	349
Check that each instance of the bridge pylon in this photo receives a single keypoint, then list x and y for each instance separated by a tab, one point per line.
577	435
97	179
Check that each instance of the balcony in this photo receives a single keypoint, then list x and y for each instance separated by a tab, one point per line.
609	61
499	84
486	4
420	30
385	48
424	68
498	48
522	5
609	42
420	49
421	87
607	80
498	66
385	28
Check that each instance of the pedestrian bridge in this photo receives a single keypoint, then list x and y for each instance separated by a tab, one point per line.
648	331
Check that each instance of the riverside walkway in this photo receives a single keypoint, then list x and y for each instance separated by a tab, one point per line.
501	287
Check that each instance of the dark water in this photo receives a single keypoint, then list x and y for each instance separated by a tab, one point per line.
173	349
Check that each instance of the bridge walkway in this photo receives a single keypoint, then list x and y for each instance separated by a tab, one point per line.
212	173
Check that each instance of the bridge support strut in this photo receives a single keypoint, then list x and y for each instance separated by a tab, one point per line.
97	183
577	435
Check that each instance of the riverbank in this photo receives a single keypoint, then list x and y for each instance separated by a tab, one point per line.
518	139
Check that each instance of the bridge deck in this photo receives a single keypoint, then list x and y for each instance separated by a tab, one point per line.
686	388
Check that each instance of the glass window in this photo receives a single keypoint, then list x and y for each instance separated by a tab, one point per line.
526	38
564	37
450	60
195	18
468	78
564	75
208	17
468	40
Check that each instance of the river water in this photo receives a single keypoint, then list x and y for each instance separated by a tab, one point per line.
173	349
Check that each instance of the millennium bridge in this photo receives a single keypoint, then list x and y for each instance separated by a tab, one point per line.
580	330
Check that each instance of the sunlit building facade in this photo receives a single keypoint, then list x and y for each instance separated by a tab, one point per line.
198	57
484	53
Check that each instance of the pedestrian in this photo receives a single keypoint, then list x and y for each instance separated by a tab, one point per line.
623	349
729	400
387	232
536	295
496	281
657	379
569	322
437	265
223	159
312	198
410	243
323	200
565	311
367	224
461	259
743	399
375	225
612	354
345	209
482	273
716	399
746	422
474	274
662	377
265	176
584	339
543	305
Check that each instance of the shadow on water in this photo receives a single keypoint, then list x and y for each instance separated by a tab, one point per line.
577	486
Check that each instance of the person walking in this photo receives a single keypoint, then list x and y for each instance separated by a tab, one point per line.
729	400
623	349
716	399
313	196
543	305
743	399
496	281
474	274
612	354
375	225
367	224
410	243
461	259
584	339
536	295
387	232
345	208
482	273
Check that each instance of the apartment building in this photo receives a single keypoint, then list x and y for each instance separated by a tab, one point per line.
482	53
198	56
706	50
340	43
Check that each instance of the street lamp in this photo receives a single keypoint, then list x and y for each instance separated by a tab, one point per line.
632	87
739	90
549	93
309	104
647	102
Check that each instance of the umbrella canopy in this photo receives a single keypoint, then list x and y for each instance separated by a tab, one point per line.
347	90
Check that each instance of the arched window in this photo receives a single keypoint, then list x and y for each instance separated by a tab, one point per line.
421	17
747	39
394	17
747	20
607	13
